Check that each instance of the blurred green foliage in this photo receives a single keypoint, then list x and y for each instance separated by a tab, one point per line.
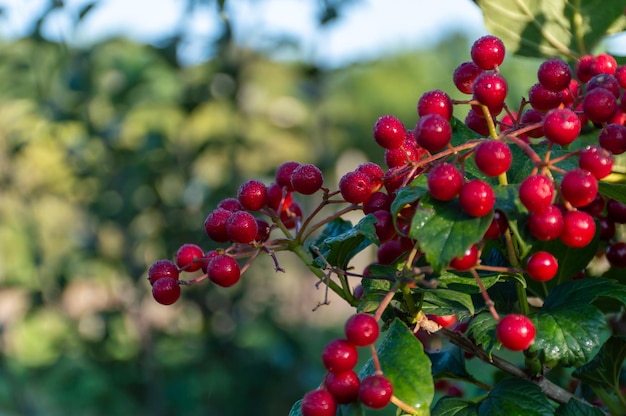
110	158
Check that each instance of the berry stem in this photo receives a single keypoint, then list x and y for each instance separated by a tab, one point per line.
403	406
488	302
522	297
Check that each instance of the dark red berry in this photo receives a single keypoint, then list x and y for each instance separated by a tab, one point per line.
595	207
377	201
597	160
536	193
361	329
493	157
605	81
561	126
162	268
355	187
389	132
599	105
252	195
583	68
389	251
230	204
375	391
242	227
579	187
554	74
488	52
433	132
435	102
579	229
467	260
620	75
186	256
223	270
283	174
215	225
607	228
616	211
542	266
464	76
516	332
499	225
385	229
307	179
208	256
530	117
166	290
344	387
477	198
616	254
318	403
409	151
613	138
444	181
542	99
477	123
339	355
375	173
546	225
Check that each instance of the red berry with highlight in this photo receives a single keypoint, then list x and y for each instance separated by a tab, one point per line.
186	256
162	268
435	102
252	195
467	260
579	229
166	290
283	174
389	132
464	76
493	157
433	132
242	227
215	225
361	329
561	126
488	52
546	225
516	332
355	187
444	181
375	391
579	187
536	193
596	160
554	74
318	403
599	105
307	179
477	198
339	355
490	89
344	387
223	270
542	266
542	99
613	138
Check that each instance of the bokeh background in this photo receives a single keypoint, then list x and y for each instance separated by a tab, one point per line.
121	127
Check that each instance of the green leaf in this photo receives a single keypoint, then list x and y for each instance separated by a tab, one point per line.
552	28
604	370
374	290
515	397
616	191
352	409
404	362
295	409
444	231
340	242
483	330
584	291
577	408
454	406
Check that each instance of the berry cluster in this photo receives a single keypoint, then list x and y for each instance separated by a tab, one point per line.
556	199
341	384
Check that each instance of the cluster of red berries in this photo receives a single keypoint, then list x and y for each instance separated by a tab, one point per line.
341	384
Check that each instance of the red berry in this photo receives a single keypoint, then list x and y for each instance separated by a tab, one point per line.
339	356
252	195
186	256
166	290
516	332
596	160
242	227
570	93
603	64
542	99
361	329
476	123
283	174
230	204
583	68
375	173
263	230
620	75
599	105
444	181
377	201
536	193
223	270
493	157
375	391
409	151
445	321
546	225
613	138
605	81
307	179
389	132
278	197
561	126
215	225
542	266
464	76
208	256
616	254
355	187
530	117
344	387
389	251
488	52
467	260
433	132
554	74
385	229
579	229
318	403
162	268
477	198
595	207
498	226
490	89
579	187
291	216
435	102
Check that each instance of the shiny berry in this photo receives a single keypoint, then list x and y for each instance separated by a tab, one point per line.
490	89
375	173
242	227
389	132
355	187
344	387
375	391
497	228
318	403
516	332
613	138
215	225
579	187
223	270
361	329
616	254
597	160
599	105
561	126
536	193
554	74
230	204
542	266
162	268
307	179
252	195
542	99
579	229
477	198
464	76
583	68
467	260
283	174
603	64
445	321
166	290
493	157
435	102
186	256
444	181
546	225
488	52
433	132
339	355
